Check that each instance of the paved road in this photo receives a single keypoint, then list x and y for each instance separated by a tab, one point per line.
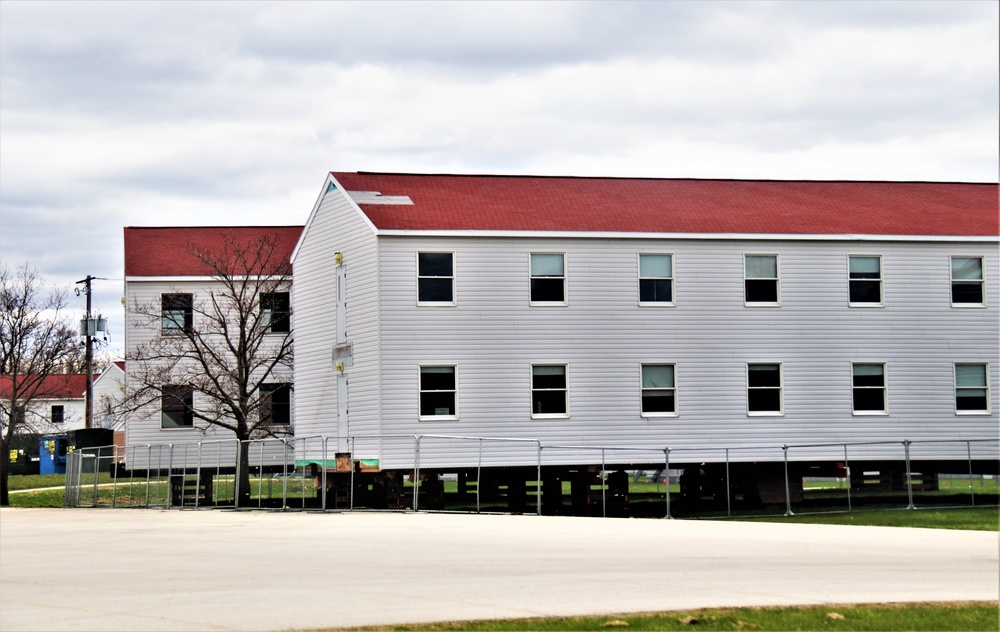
132	569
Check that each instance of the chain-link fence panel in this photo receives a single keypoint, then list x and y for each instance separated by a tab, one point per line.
497	475
263	471
945	474
477	475
93	472
367	473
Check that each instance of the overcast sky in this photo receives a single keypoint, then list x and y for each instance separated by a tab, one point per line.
149	114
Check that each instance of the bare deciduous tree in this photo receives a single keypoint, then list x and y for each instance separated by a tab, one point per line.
229	345
35	342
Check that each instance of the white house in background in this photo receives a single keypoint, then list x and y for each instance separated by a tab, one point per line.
109	392
694	315
161	271
59	405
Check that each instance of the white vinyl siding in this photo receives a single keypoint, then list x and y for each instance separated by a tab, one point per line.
337	227
494	337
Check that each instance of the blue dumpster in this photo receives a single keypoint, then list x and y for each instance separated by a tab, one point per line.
52	455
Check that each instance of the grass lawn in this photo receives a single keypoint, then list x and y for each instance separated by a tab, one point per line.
946	616
972	518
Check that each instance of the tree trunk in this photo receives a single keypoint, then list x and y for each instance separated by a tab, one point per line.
243	475
4	471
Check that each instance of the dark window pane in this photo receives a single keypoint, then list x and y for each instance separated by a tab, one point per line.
866	292
437	403
176	407
434	290
549	381
971	399
869	380
434	264
548	402
869	399
278	404
276	307
658	402
967	293
764	400
442	379
550	290
176	312
764	375
58	414
655	290
761	291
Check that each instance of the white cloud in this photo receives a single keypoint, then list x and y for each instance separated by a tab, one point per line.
117	114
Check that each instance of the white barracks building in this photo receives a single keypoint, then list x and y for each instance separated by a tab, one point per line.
711	320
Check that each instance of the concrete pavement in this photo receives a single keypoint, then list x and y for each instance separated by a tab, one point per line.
135	569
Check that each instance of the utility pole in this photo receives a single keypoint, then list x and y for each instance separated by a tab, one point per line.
89	327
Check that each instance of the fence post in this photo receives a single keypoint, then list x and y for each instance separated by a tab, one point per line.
968	453
479	475
604	486
352	443
909	475
236	479
788	493
666	481
416	475
538	483
729	512
97	472
322	482
847	472
113	469
149	468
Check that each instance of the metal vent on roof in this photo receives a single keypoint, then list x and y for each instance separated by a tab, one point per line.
374	197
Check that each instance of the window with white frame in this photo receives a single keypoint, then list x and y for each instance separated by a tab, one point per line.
972	387
967	281
548	277
177	407
764	389
761	279
865	280
176	314
275	312
656	279
58	414
868	382
436	278
659	391
276	404
549	394
438	392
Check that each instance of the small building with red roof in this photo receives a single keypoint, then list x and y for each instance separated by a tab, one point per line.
58	405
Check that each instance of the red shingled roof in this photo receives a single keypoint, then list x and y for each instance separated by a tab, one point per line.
164	252
61	386
633	205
